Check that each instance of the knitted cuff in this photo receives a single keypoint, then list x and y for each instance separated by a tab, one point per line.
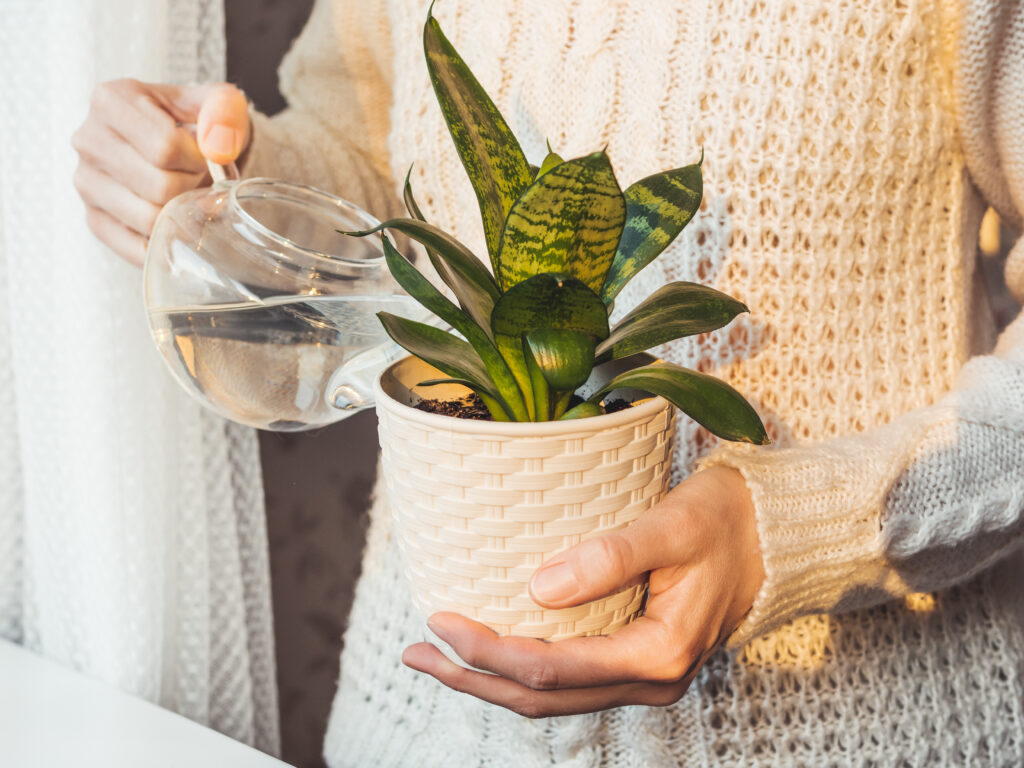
819	532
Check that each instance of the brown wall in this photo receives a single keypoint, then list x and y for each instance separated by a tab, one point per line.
317	484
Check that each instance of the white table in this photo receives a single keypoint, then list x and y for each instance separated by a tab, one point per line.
51	716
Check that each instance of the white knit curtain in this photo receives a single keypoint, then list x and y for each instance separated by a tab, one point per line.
132	538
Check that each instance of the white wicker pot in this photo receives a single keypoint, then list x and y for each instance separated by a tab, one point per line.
479	505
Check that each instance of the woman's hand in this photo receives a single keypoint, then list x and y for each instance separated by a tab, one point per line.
135	153
701	547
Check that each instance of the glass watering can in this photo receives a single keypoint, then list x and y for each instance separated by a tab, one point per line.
265	312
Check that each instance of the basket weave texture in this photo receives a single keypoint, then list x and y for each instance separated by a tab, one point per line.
478	506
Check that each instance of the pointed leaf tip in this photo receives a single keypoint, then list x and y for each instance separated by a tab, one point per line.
657	209
710	402
673	311
491	155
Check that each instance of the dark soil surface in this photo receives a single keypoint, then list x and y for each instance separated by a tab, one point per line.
472	407
468	407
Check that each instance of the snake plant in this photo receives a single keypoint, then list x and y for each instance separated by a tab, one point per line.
563	239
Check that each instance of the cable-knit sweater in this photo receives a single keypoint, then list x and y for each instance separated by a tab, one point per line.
849	146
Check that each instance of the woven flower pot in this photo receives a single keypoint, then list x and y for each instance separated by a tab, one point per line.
478	505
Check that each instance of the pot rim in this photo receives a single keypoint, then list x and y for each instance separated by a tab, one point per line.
643	409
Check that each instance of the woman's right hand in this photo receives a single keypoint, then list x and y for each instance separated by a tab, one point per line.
136	153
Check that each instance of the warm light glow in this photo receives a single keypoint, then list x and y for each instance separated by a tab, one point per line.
920	602
988	237
803	644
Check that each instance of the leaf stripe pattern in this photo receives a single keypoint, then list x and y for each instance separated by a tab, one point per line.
493	159
569	221
657	209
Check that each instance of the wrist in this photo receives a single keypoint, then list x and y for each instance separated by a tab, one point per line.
815	541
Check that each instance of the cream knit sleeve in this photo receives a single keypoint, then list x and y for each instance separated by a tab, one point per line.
337	82
937	495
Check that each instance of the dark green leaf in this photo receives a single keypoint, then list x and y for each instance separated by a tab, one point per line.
493	159
426	294
421	289
471	284
672	312
550	301
657	209
582	411
569	221
410	202
461	271
709	401
440	349
565	358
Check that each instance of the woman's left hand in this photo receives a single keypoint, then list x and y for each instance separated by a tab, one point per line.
701	547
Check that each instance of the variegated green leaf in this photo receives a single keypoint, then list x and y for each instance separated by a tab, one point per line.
492	157
511	350
657	209
538	384
672	312
565	358
582	411
550	301
709	401
569	221
550	162
457	266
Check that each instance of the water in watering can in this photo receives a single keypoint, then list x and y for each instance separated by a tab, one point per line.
274	365
263	310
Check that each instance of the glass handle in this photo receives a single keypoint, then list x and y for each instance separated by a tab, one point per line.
220	173
351	386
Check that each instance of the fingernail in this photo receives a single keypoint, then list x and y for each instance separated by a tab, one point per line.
433	627
221	140
555	583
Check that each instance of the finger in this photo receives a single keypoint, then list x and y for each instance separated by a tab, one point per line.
424	657
111	154
220	112
101	191
645	650
223	124
129	245
137	114
605	564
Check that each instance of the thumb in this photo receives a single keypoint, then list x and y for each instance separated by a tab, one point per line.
605	564
220	112
223	124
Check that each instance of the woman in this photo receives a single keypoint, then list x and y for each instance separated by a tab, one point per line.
848	147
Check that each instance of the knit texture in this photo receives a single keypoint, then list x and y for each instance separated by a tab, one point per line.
843	144
132	531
